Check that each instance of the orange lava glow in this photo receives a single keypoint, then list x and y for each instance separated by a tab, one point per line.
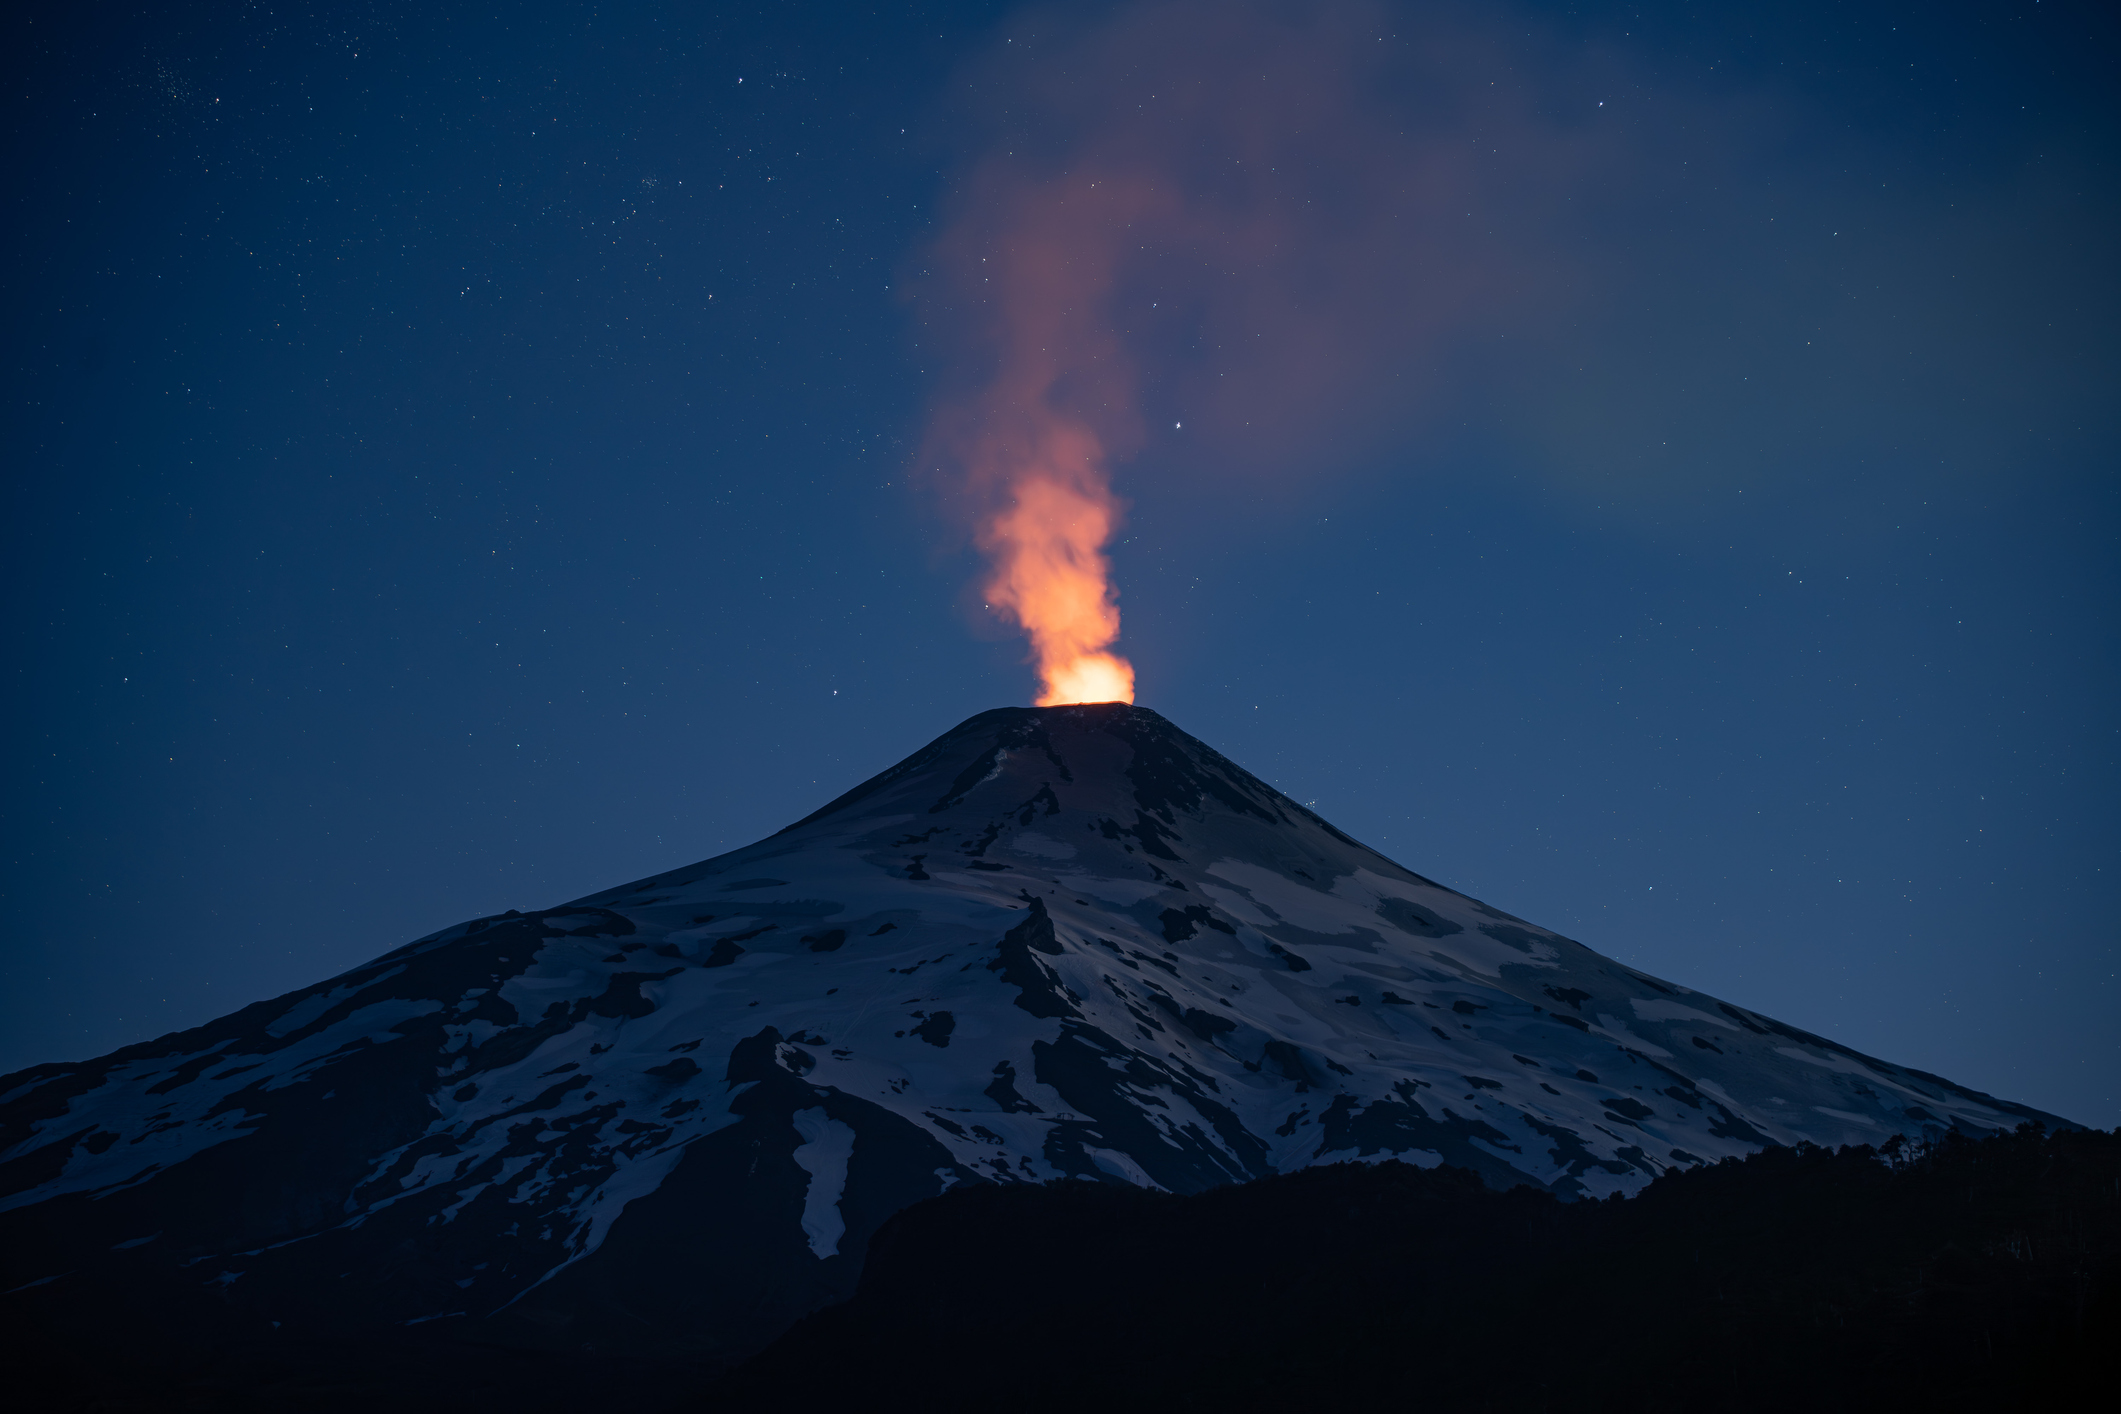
1051	574
1033	434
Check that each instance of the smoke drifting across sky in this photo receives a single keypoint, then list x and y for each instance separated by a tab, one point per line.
1236	248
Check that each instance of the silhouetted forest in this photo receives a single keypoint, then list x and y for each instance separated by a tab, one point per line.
1963	1275
1966	1275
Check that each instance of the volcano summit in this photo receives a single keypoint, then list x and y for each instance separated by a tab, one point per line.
1067	941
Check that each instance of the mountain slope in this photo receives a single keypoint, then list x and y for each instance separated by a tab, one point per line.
1055	942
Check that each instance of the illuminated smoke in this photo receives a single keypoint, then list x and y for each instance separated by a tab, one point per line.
1229	211
1051	573
1387	240
1034	439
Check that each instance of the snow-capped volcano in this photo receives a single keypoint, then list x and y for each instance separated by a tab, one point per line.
1054	942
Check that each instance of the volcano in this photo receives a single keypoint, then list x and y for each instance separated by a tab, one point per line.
1056	942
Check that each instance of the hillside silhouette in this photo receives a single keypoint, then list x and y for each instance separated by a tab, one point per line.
1960	1275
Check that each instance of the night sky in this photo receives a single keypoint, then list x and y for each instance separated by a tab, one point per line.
1652	473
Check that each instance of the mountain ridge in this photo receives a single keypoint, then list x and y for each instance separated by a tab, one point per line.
1053	943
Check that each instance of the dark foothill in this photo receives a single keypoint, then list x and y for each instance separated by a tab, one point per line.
827	941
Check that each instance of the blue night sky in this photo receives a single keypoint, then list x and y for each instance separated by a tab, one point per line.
1650	472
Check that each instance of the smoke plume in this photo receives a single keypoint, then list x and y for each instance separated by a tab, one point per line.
1215	211
1212	252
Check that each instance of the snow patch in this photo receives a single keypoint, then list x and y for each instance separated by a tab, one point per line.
1043	846
1238	906
1657	1009
1120	891
1620	1028
1864	1120
1309	909
303	1012
1122	1167
827	1145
